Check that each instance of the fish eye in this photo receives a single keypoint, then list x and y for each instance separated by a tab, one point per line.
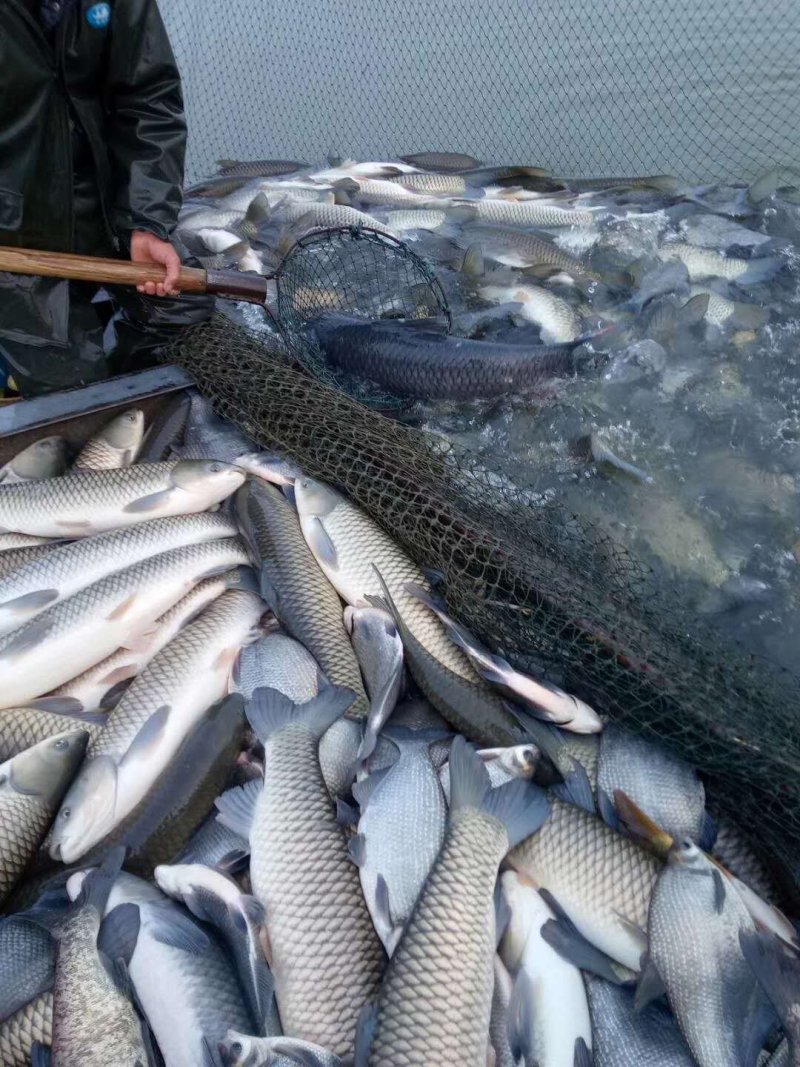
236	1048
61	744
66	812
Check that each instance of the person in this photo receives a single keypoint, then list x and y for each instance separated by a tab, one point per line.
92	145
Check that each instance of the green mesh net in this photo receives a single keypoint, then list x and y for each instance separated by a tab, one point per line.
540	585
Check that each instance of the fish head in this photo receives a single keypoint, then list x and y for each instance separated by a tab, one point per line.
239	1050
87	812
46	769
126	430
685	853
314	498
369	624
525	906
270	466
41	459
519	760
207	478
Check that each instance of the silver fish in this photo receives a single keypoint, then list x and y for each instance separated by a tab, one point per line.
502	765
71	567
624	1037
400	831
242	1050
22	728
45	458
724	312
379	650
278	662
89	502
147	727
705	263
442	969
417	219
549	1016
116	444
32	785
597	451
326	958
693	931
82	630
214	898
380	191
523	213
558	322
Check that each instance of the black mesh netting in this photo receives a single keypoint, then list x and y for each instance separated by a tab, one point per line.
543	587
707	91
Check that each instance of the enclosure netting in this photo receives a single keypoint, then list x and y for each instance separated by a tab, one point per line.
542	586
707	91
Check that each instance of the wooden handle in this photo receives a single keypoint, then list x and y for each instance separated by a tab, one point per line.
227	283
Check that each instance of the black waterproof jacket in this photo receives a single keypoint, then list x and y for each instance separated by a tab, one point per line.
92	132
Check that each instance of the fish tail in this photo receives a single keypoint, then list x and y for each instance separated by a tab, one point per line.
269	710
520	806
759	270
775	964
98	883
748	316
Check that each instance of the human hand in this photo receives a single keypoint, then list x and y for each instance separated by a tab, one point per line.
147	248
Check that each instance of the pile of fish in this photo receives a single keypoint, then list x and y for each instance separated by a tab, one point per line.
626	345
263	801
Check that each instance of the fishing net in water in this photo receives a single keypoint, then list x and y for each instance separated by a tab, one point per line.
355	270
548	590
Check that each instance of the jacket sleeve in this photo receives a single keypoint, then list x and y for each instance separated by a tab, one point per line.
146	124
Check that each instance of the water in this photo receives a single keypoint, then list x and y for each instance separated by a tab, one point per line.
707	91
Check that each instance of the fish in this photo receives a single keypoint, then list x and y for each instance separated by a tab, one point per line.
434	1005
165	429
400	832
379	650
602	880
594	448
232	248
378	191
21	728
415	219
782	181
213	897
625	1037
100	687
208	437
45	458
326	958
662	785
724	312
68	568
535	253
446	161
259	168
776	965
116	444
294	587
214	187
694	924
187	988
14	558
432	183
522	213
89	502
362	561
273	468
278	662
558	322
427	365
323	217
498	1020
94	1022
32	785
67	639
27	964
502	764
514	175
145	730
548	1015
663	183
242	1050
349	168
705	263
543	699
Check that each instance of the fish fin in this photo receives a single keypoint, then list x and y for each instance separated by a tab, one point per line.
99	882
365	1033
473	264
144	743
607	811
502	914
112	696
209	1055
520	806
382	904
269	711
582	1057
775	964
576	788
357	848
641	826
150	502
119	931
346	185
364	789
268	586
290	494
236	807
257	211
41	1055
172	927
459	634
30	603
694	310
346	814
708	834
27	637
469	779
650	985
572	946
748	316
61	706
719	891
232	862
520	1017
320	543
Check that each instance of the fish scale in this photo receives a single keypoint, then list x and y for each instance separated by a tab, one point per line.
13	558
21	728
528	213
33	1022
600	878
435	1001
326	957
23	823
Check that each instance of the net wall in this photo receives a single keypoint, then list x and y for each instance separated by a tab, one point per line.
708	91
